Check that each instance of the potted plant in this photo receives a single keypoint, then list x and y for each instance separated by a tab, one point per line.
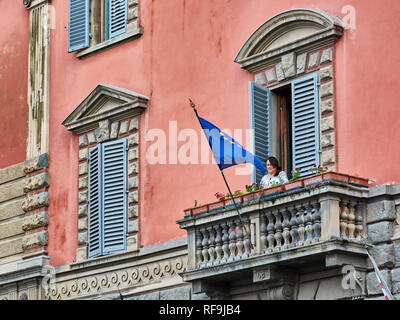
275	188
294	181
252	191
317	175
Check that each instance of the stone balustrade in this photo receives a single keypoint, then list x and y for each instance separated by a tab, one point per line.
268	224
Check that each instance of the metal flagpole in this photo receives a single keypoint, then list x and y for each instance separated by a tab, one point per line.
226	183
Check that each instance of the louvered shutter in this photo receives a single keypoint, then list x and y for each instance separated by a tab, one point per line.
118	17
95	201
305	123
260	122
114	196
78	29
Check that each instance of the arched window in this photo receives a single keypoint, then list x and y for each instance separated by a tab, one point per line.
292	96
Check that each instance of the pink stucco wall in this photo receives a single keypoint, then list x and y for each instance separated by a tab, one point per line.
14	43
187	50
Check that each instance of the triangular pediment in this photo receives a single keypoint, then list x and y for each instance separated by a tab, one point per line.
104	102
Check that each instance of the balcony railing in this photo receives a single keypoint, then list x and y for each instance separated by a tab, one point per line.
293	218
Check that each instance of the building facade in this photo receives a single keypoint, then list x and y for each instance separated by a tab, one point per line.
107	183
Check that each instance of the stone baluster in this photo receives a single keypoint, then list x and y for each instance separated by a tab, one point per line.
247	239
293	225
270	230
211	245
316	217
218	243
359	221
204	243
308	222
286	227
199	255
225	241
278	229
239	239
343	218
300	222
232	240
351	220
263	232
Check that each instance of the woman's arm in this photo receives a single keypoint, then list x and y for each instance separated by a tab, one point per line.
283	177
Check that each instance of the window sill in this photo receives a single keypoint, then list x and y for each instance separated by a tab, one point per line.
131	35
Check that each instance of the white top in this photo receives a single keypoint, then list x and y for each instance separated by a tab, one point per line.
281	178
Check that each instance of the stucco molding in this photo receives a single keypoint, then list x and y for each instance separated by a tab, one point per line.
289	31
105	102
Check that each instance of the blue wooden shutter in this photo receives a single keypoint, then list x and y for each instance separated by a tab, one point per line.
95	215
260	122
118	17
114	195
305	120
78	29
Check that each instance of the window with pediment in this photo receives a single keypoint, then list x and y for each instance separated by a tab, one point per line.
291	56
107	123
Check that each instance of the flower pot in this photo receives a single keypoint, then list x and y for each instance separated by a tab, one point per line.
335	176
215	205
249	196
228	201
359	181
273	190
312	179
294	184
200	209
188	212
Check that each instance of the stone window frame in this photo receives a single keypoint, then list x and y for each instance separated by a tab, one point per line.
309	47
108	113
133	29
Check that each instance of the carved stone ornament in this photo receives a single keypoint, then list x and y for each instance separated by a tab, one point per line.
124	278
27	3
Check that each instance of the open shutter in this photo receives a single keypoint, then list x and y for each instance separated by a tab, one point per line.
118	17
114	196
259	121
78	29
95	215
305	119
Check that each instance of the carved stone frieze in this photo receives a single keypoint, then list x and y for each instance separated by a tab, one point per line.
124	278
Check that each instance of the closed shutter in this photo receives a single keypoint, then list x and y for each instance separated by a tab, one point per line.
114	196
95	201
260	122
118	17
78	29
305	119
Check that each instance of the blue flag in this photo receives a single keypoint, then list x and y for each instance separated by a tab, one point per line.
227	152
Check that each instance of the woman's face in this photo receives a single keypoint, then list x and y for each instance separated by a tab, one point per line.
270	168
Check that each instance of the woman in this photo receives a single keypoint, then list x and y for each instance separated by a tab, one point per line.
275	174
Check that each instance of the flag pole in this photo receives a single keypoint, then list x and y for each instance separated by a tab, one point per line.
226	182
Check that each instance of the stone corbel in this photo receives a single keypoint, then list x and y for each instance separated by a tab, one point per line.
213	290
282	292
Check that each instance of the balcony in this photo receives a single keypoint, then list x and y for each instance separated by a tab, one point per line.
312	225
